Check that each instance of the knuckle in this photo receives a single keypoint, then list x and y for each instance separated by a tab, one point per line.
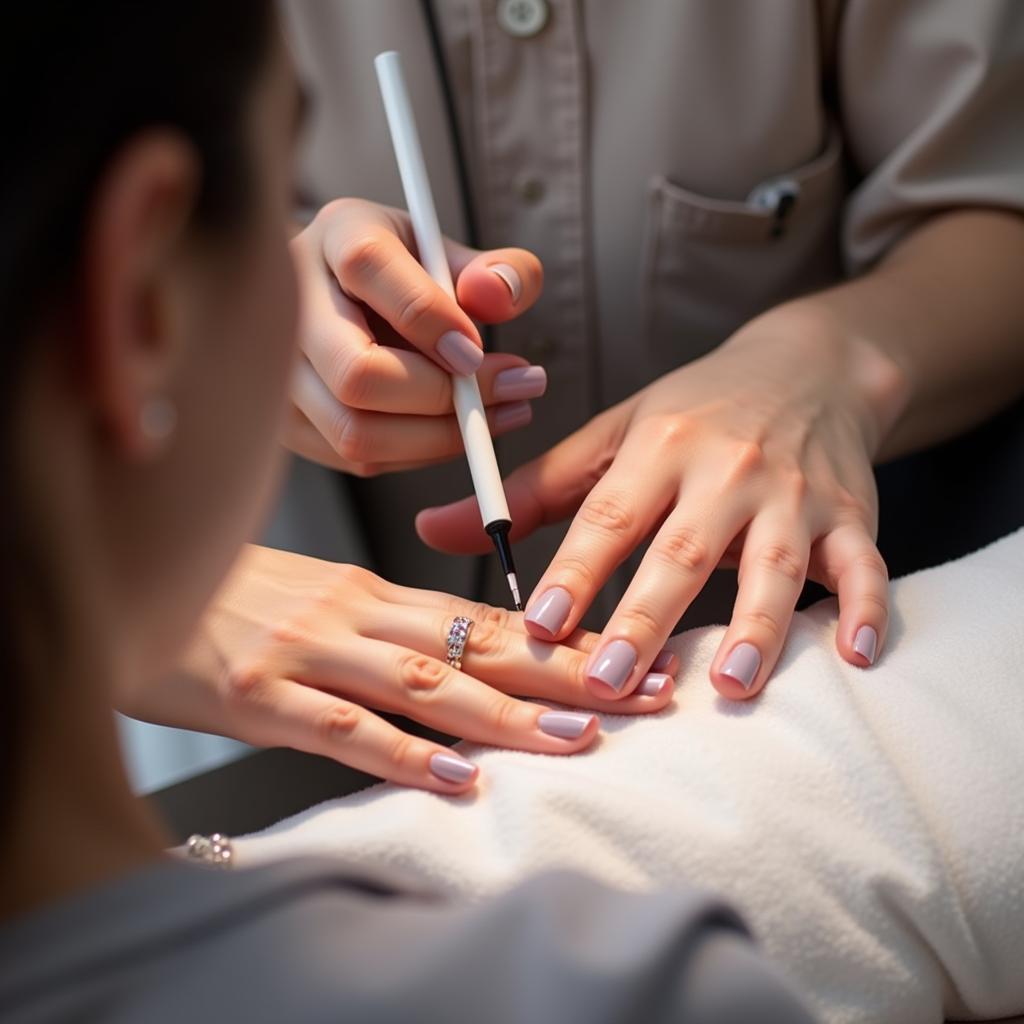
244	683
417	304
401	749
682	548
644	621
610	513
668	431
503	713
361	257
487	639
348	436
574	571
782	560
872	562
488	616
875	601
795	483
336	723
419	674
353	377
852	507
354	575
764	621
745	460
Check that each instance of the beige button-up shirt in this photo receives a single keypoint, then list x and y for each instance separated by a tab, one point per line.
678	165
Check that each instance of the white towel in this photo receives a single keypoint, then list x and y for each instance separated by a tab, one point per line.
869	825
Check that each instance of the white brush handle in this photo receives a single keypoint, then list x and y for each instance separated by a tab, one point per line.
469	408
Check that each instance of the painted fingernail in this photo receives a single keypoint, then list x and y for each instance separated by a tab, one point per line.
566	725
550	610
742	664
614	665
462	356
865	643
654	684
452	768
510	276
664	662
520	382
512	416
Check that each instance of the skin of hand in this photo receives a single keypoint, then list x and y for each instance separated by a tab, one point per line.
380	340
299	652
759	455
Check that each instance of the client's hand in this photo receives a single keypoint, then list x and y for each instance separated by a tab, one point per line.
758	454
295	652
380	339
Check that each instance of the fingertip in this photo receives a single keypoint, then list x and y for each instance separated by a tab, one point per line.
499	285
864	646
457	774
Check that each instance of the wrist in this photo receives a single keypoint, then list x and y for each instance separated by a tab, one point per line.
817	347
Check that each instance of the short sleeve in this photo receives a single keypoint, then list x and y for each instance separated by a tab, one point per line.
931	98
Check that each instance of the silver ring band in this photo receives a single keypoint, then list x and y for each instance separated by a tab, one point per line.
457	637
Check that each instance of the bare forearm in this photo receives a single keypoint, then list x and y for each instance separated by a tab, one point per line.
946	307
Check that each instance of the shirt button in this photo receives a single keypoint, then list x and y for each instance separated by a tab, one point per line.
531	190
522	18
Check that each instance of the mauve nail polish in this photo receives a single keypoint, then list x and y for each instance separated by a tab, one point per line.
742	664
566	725
865	643
510	276
614	664
653	684
460	353
550	610
665	661
452	768
513	415
520	382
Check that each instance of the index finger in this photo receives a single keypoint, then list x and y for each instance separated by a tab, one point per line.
374	266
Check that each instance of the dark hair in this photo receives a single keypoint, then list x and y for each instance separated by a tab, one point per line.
79	80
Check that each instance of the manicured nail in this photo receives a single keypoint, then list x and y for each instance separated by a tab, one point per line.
742	664
550	610
654	684
614	665
520	382
452	768
566	725
459	352
664	662
512	416
511	278
865	643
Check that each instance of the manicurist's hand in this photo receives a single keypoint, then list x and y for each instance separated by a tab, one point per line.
303	653
758	455
380	340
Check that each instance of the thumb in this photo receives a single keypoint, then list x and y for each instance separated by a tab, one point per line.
547	490
496	285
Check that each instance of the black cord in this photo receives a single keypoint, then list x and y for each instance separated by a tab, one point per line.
479	583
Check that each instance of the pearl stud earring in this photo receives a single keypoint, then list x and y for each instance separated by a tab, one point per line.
157	420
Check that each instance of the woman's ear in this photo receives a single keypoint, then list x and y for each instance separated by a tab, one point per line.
133	325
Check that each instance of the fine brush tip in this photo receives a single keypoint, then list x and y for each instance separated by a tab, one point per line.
513	585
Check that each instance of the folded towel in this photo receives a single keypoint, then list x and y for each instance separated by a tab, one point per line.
868	824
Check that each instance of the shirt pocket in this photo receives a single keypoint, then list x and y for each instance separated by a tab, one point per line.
710	265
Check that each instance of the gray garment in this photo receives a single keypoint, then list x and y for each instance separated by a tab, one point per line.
304	941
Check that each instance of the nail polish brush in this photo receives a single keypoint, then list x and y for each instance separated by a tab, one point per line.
469	408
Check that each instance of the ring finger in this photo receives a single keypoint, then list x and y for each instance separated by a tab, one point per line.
500	653
773	567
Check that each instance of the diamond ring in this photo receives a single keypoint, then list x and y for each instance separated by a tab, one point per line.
457	637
